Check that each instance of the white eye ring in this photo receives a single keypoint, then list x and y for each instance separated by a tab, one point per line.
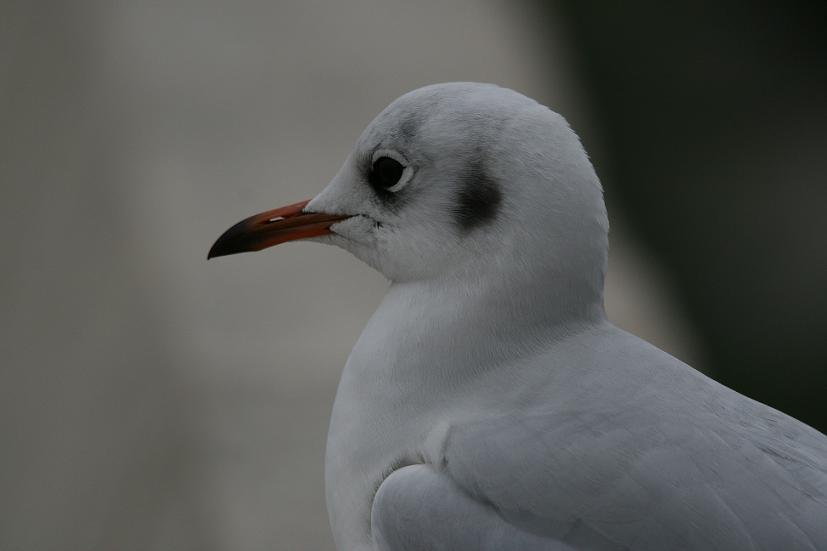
407	172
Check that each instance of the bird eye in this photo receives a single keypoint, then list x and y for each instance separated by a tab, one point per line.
386	173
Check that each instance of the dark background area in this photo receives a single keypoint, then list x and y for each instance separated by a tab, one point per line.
712	121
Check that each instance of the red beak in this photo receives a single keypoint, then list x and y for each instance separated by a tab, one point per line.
273	227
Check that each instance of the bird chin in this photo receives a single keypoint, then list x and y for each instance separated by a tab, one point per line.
358	236
359	230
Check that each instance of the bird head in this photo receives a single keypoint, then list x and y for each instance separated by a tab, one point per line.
455	178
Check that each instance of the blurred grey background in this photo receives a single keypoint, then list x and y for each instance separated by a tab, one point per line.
150	400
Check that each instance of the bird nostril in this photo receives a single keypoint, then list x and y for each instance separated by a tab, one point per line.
275	219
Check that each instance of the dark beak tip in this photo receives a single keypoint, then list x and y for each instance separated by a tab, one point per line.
216	250
213	254
226	245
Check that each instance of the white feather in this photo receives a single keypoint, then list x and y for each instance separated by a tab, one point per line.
488	404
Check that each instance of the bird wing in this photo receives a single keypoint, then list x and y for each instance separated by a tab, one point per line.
640	479
418	508
610	481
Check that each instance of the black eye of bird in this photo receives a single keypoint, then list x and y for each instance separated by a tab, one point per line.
385	173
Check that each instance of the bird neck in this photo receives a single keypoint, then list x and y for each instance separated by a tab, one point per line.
470	321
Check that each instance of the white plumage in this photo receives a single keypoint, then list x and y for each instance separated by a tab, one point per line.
489	404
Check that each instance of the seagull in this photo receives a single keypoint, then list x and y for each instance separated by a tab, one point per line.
489	404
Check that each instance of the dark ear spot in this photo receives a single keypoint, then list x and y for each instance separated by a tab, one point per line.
478	199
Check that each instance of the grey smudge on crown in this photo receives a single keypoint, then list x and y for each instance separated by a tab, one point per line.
478	198
410	125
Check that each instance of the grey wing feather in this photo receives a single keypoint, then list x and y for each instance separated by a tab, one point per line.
634	479
419	509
